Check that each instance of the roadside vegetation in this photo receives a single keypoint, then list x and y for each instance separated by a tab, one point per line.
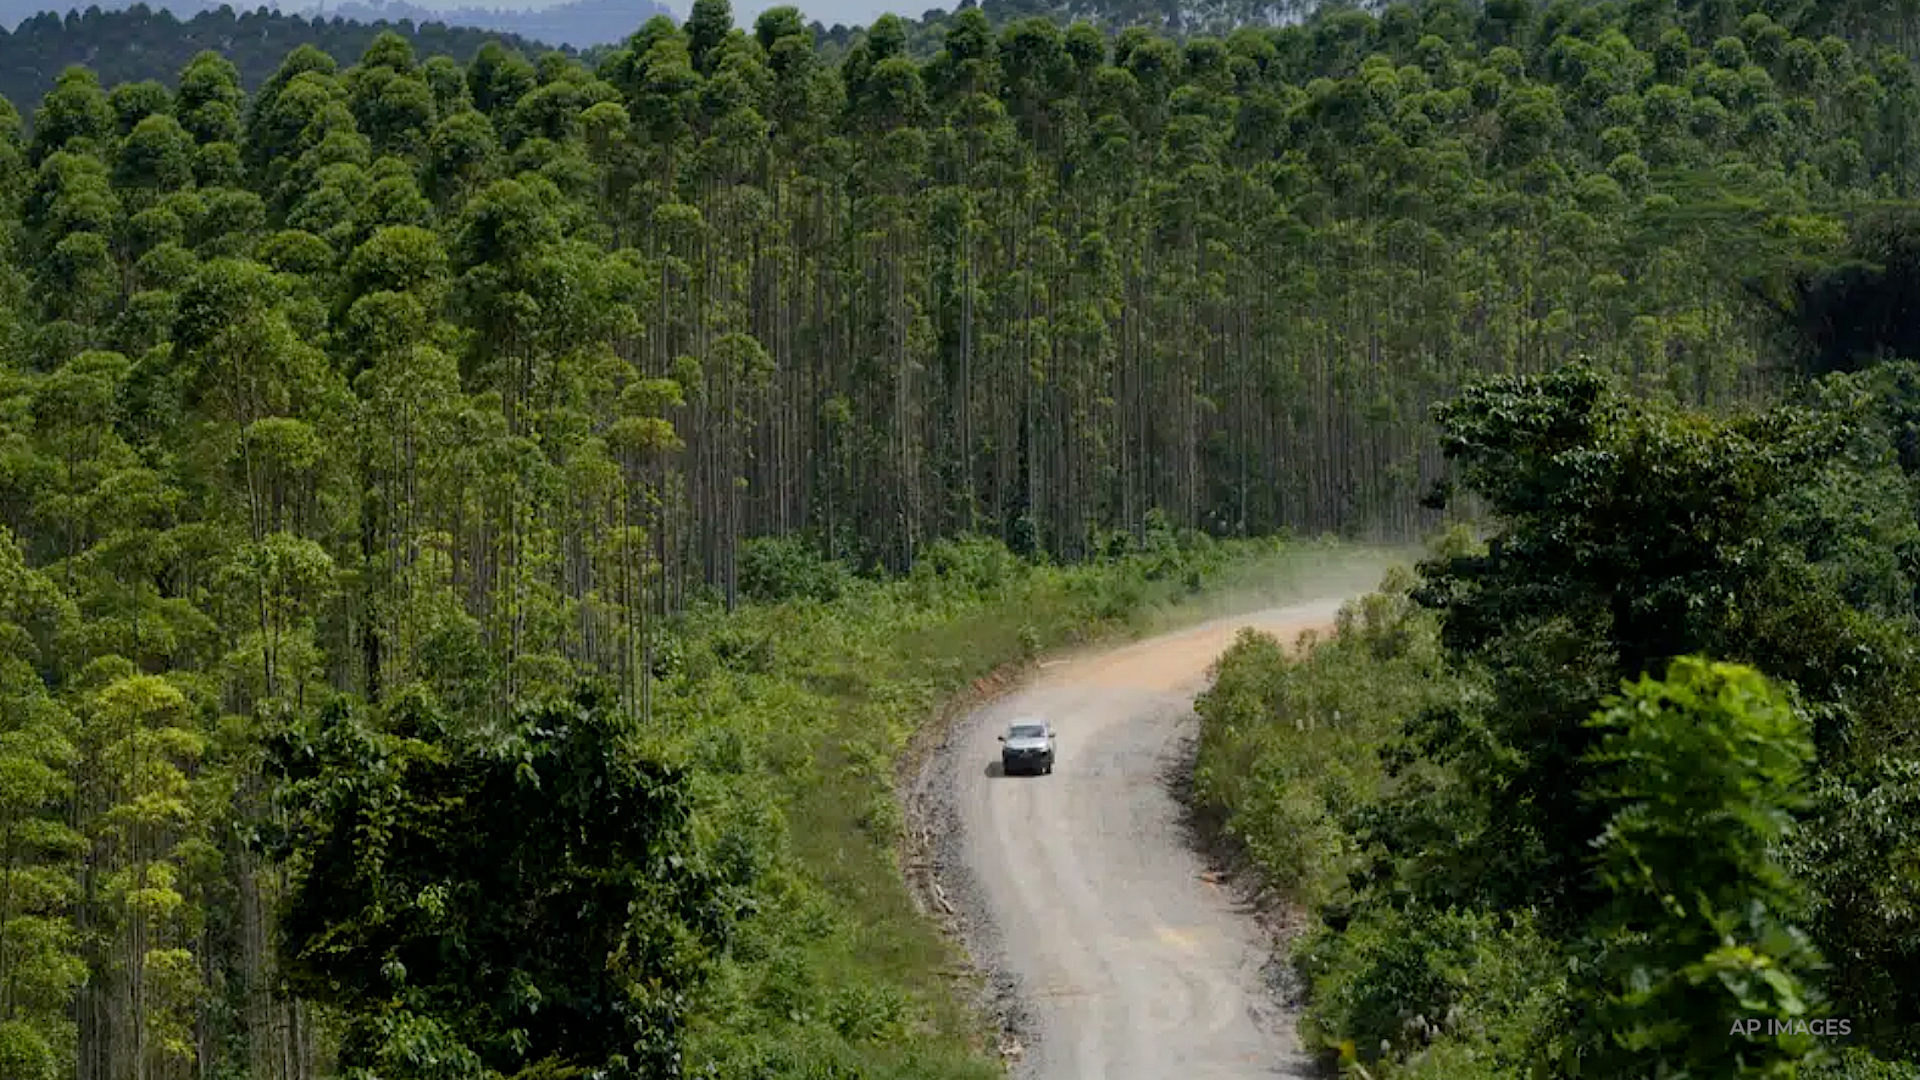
799	736
1574	800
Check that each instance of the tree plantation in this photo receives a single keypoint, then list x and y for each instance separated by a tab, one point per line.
475	538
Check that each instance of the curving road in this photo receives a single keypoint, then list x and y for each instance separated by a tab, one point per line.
1081	891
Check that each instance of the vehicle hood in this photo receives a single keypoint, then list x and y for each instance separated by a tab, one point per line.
1027	744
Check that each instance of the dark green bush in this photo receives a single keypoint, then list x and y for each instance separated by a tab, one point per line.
777	568
1397	980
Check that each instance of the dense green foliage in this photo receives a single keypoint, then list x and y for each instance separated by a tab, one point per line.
1866	26
141	44
540	898
1703	771
1521	865
1337	254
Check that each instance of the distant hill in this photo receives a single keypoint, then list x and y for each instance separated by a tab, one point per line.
581	24
925	36
138	43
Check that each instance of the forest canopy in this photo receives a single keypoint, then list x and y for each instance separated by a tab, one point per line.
139	43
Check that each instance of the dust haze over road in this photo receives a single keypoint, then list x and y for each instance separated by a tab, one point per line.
1115	955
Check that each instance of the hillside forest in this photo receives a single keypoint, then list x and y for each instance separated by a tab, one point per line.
137	43
580	24
447	506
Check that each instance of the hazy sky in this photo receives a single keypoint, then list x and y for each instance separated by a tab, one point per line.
849	12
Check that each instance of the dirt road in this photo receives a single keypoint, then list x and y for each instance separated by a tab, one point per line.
1117	959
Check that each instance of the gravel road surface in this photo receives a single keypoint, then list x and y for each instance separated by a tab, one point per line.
1116	955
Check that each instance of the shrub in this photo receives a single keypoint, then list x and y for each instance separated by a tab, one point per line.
779	568
1859	851
1289	752
975	563
1854	1063
1396	981
1704	769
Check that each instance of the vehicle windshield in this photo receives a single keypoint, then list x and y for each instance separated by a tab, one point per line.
1026	731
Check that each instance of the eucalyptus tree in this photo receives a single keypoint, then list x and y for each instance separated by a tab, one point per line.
40	964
